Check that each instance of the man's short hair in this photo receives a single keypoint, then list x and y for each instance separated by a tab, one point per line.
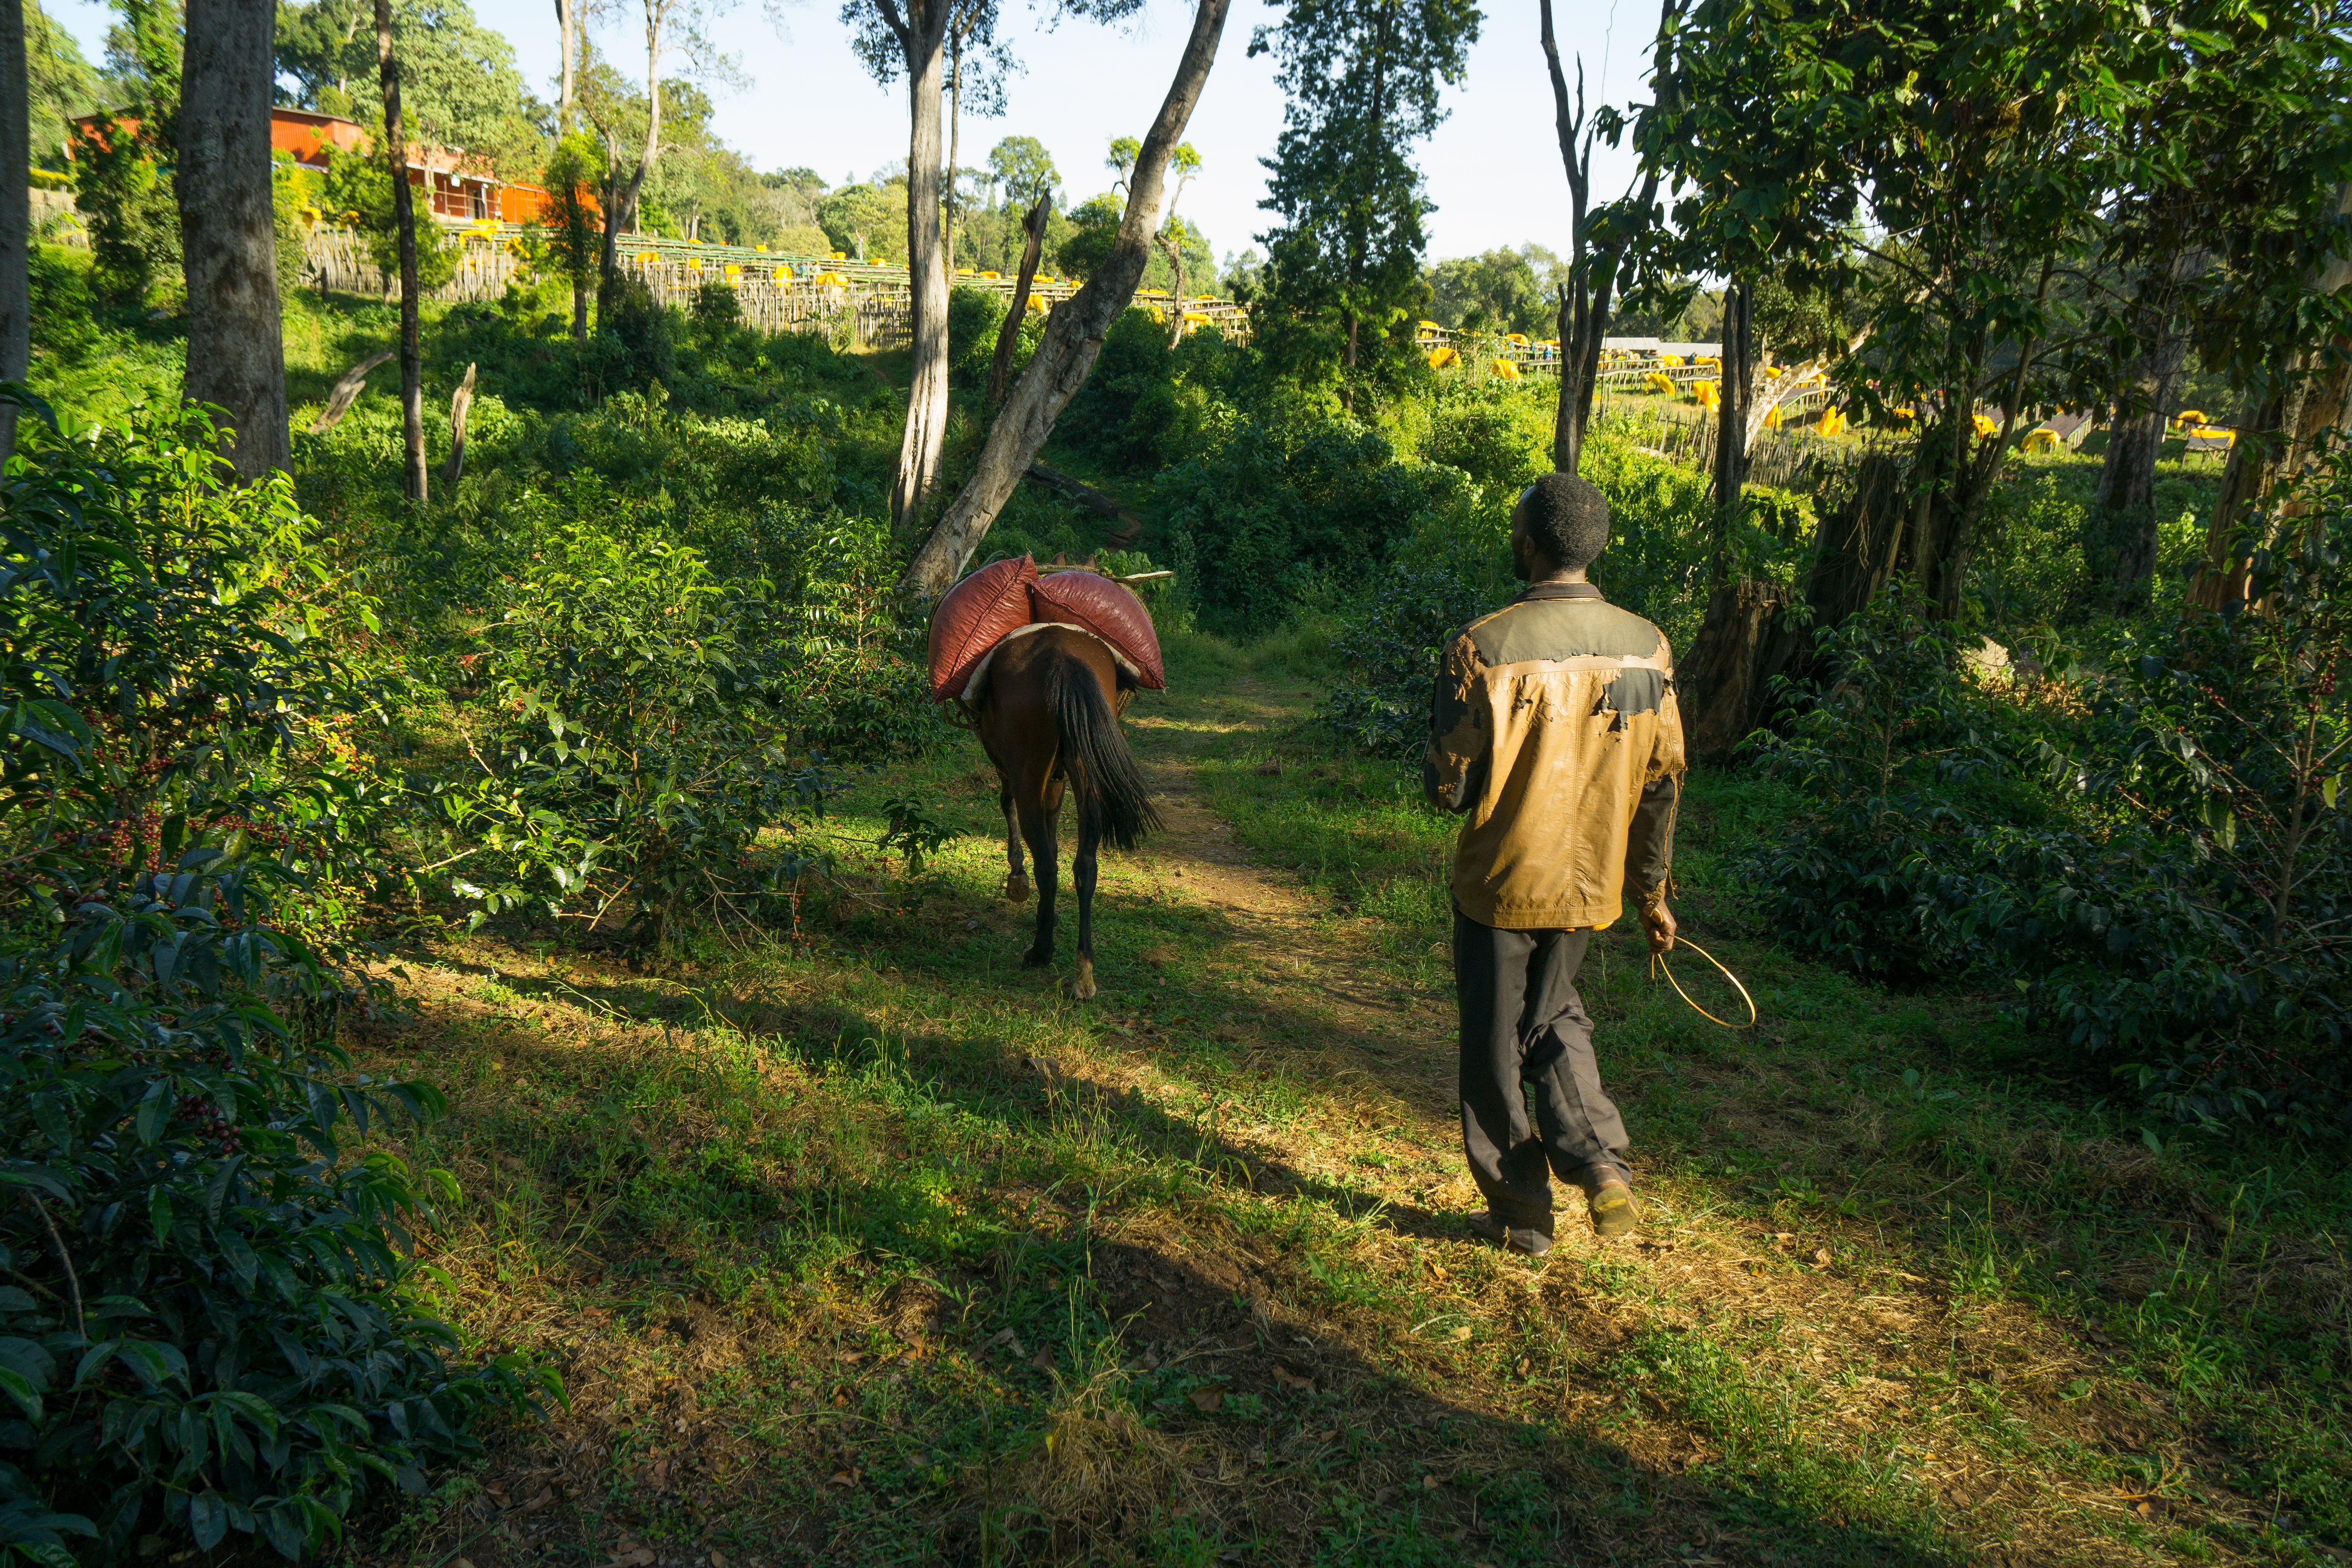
1567	518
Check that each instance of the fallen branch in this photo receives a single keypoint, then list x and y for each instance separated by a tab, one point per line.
346	393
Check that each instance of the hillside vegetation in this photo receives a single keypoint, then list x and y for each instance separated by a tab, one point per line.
650	1109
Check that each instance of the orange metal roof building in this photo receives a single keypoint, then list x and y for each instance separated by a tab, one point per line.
462	187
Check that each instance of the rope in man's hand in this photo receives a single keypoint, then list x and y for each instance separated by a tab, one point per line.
1658	965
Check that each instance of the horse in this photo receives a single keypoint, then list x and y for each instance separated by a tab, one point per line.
1049	714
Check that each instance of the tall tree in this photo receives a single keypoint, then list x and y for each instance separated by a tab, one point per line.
909	40
2260	159
567	30
1947	164
1022	170
395	152
1594	261
916	38
2121	545
1185	165
15	215
1362	79
60	84
977	65
1074	333
228	234
680	26
1008	331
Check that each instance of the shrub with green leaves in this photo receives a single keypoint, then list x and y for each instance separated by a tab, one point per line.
2152	852
1455	566
122	183
635	744
204	1328
358	192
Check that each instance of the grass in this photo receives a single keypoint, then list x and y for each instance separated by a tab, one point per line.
857	1243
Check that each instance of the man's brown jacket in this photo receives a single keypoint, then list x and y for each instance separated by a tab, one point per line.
1555	729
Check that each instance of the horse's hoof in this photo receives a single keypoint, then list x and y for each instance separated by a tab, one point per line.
1035	960
1083	987
1016	890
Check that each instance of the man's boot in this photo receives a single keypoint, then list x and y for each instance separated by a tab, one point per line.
1611	1200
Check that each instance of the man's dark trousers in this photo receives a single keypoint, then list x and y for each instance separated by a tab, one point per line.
1523	1023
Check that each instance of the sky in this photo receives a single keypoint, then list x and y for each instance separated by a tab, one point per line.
1493	168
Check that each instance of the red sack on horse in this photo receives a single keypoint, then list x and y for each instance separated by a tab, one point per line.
1107	609
973	616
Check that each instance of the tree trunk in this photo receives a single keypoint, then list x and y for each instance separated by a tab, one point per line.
1723	677
1008	335
2275	437
404	223
926	274
1738	389
652	150
568	32
1173	250
621	203
15	215
1074	334
228	234
955	140
2120	542
1748	639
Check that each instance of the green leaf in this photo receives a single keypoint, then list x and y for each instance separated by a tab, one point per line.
18	1387
154	1109
207	1520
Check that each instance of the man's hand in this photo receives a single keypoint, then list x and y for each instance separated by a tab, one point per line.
1659	922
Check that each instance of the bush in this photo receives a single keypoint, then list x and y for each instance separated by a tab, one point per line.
716	307
635	749
123	186
1279	511
358	192
208	1328
1455	566
2152	857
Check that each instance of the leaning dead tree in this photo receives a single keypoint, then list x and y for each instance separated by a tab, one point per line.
1074	333
1008	332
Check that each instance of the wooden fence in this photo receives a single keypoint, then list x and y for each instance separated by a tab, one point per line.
1788	457
860	304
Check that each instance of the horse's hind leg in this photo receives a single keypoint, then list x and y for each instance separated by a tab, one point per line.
1017	876
1082	877
1039	820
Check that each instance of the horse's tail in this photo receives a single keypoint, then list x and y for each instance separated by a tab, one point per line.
1095	755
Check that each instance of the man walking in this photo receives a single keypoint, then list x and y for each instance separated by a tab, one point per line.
1555	730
